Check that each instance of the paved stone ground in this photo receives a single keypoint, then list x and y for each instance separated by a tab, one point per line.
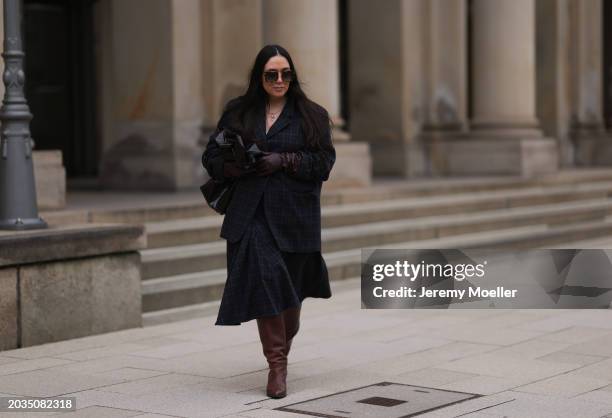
526	363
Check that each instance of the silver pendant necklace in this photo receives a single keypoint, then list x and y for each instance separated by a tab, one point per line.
272	115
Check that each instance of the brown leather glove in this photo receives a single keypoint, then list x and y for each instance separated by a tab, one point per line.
269	163
291	161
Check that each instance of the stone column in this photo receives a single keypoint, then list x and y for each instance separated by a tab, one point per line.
140	102
408	82
504	67
553	66
386	83
607	76
445	78
505	137
593	145
187	88
168	68
228	53
227	57
309	31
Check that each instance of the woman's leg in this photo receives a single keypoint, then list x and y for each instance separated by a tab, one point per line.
274	343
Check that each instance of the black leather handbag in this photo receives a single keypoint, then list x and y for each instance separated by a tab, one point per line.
218	193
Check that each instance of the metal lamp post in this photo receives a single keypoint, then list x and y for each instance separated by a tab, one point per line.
18	208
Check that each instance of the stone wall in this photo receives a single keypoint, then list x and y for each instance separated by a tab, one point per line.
68	282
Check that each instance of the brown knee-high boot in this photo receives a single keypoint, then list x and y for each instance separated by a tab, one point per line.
292	325
273	341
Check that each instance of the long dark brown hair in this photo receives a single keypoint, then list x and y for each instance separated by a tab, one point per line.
244	109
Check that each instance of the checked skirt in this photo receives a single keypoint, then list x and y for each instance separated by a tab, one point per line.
263	280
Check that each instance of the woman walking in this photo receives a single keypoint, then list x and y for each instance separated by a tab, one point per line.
273	224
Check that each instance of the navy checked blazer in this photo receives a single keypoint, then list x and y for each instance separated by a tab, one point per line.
292	202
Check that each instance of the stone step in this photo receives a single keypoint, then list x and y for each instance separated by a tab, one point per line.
445	185
351	214
210	309
142	209
592	243
205	229
204	286
392	189
200	287
50	179
161	262
183	231
380	233
153	214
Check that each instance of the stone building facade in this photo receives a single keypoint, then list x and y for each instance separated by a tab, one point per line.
417	88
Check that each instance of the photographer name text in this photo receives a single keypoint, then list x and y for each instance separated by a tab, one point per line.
477	292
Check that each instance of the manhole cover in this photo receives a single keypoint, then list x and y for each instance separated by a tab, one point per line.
384	399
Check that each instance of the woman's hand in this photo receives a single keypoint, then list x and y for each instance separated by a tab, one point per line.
269	163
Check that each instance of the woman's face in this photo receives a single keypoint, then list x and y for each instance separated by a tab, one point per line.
278	68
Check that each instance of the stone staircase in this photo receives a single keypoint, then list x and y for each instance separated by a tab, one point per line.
184	272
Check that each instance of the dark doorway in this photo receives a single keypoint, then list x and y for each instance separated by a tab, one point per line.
60	80
607	70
